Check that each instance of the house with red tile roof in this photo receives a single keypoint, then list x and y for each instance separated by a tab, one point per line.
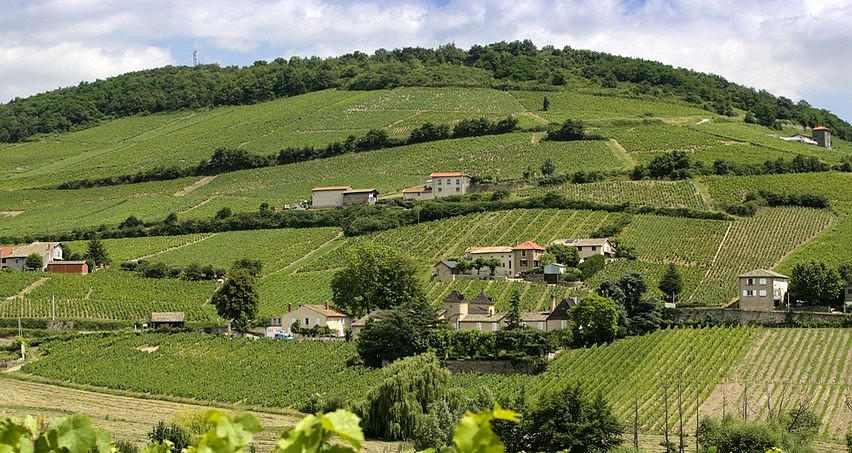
439	184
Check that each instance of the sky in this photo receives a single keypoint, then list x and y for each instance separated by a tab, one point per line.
800	49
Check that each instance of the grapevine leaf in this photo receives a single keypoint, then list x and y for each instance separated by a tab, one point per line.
76	434
346	425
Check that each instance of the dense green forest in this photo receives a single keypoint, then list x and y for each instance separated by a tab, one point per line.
514	65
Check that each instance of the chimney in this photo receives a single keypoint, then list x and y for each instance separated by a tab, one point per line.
326	305
289	308
552	303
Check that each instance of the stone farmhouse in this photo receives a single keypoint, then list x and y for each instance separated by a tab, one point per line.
15	257
762	289
479	314
513	260
311	316
554	319
589	247
337	196
441	184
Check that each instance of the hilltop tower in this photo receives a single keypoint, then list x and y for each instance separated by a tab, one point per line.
822	135
195	57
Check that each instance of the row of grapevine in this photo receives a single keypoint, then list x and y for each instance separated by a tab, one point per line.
757	242
691	242
713	370
673	194
267	373
784	369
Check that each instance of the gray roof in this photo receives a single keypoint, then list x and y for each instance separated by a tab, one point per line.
167	316
482	299
561	310
583	242
534	316
39	248
449	263
478	317
762	273
455	297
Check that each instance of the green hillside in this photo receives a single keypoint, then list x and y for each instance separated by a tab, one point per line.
734	197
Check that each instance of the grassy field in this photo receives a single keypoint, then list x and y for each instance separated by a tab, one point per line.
712	366
130	417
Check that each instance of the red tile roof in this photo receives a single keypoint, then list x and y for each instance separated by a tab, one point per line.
529	245
7	251
448	174
417	190
820	128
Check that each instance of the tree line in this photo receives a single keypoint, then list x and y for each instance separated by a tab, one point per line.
502	65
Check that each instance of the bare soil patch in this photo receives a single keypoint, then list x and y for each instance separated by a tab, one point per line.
195	185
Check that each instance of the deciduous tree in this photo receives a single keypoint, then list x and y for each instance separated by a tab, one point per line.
595	320
237	299
34	262
815	283
375	277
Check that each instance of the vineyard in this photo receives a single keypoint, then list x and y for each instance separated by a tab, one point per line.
109	294
709	368
758	242
429	242
670	194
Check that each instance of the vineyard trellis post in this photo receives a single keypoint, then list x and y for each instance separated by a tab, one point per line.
635	418
666	406
680	412
697	403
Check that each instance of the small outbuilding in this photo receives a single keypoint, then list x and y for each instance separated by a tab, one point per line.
68	267
174	319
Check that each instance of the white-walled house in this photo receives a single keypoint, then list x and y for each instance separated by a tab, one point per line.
16	257
315	315
439	184
589	247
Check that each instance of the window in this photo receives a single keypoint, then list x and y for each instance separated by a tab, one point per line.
750	281
439	189
448	181
524	263
564	324
594	248
458	181
307	322
510	264
762	293
748	293
762	281
523	253
458	189
439	182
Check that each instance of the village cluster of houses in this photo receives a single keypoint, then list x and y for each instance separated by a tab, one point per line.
458	312
518	259
15	257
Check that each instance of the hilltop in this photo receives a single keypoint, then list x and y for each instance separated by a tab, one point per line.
517	65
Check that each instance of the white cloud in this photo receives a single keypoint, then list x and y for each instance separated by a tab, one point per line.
791	48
